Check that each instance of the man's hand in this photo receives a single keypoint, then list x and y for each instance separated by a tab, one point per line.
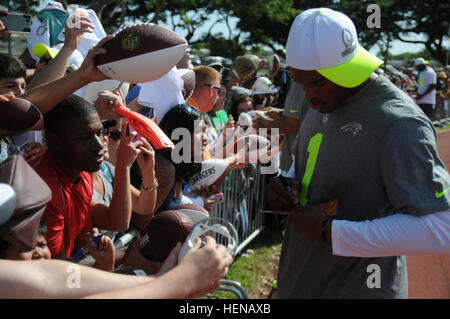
273	112
33	151
146	162
107	102
103	253
88	71
207	190
308	222
206	265
279	198
74	35
128	150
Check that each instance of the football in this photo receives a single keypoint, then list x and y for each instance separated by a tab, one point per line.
245	120
255	142
193	207
274	63
253	146
188	77
214	171
141	53
18	115
92	89
163	232
255	113
194	215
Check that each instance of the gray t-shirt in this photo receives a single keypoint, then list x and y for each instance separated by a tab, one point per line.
295	106
376	154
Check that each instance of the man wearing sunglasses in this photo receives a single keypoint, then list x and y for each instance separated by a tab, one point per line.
207	88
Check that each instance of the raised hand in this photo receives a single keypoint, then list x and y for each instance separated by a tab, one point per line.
128	150
88	71
76	25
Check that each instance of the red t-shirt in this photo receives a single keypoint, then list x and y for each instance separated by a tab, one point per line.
67	214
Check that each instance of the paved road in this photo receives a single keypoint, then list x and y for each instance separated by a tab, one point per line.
429	276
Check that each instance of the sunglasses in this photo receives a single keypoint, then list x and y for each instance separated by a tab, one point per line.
219	89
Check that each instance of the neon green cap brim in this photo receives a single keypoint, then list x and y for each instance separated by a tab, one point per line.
41	50
353	72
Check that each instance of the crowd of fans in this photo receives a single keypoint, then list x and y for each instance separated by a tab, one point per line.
407	78
105	179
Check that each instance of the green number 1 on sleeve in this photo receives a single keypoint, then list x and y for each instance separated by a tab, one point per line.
313	150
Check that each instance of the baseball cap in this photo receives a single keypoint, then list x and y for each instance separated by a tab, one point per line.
43	51
31	197
326	40
263	86
213	62
420	61
244	66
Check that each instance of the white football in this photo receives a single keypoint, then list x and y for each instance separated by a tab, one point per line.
245	120
255	113
141	53
274	62
193	214
253	142
92	89
213	172
255	148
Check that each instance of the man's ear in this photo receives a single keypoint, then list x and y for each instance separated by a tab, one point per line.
54	141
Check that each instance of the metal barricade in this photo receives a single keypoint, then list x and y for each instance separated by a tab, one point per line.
243	193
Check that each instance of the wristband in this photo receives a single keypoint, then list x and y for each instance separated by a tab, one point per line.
150	189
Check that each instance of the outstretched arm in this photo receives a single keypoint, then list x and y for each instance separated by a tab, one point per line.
47	96
197	274
58	66
58	279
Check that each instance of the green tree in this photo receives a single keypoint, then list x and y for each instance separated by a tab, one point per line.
267	22
25	6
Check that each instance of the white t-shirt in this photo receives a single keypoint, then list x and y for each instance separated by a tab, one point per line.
426	78
162	94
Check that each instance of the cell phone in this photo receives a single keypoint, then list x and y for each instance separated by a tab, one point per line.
16	22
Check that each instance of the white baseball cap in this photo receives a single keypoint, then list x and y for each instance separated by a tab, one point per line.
420	61
263	86
325	40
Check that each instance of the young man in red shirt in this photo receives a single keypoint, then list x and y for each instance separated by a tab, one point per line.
75	148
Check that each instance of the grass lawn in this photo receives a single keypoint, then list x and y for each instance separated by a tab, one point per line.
446	127
257	267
